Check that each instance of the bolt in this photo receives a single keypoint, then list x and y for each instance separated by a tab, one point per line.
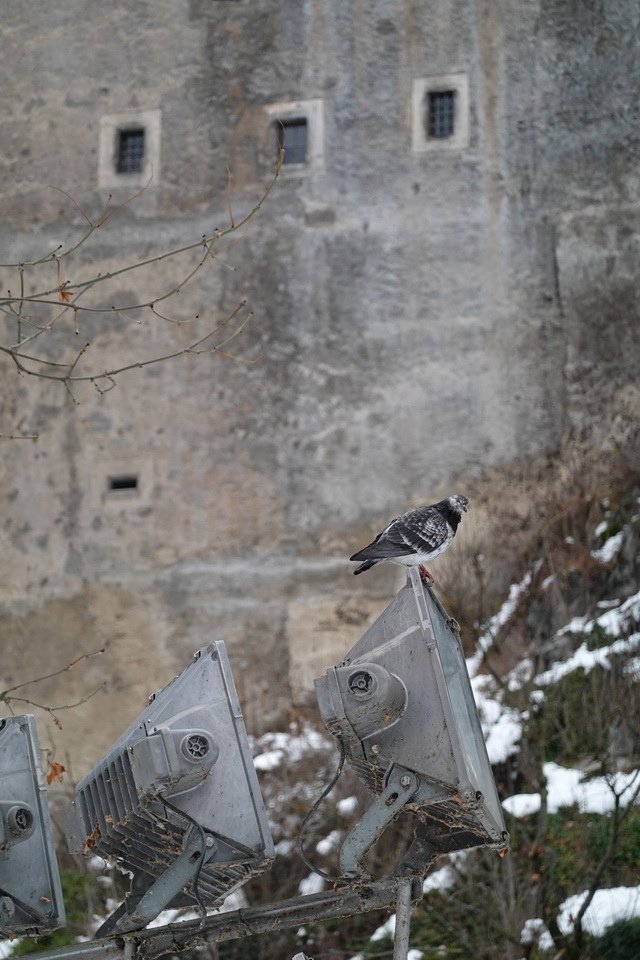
405	781
375	748
210	842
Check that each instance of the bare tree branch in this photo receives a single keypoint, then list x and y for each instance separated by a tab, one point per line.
36	314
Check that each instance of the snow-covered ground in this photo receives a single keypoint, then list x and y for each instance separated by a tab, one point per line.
567	786
608	906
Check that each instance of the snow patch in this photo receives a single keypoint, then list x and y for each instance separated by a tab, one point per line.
499	619
346	806
329	843
386	930
575	625
311	884
284	847
291	747
269	761
588	659
607	906
535	931
441	879
609	549
522	804
501	726
565	788
632	668
8	946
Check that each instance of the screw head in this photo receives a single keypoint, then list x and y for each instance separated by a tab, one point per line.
405	781
375	748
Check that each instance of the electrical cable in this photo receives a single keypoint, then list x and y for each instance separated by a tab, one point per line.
325	793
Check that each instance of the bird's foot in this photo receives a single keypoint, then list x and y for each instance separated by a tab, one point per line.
425	576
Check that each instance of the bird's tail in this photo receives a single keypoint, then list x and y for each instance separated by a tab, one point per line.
365	566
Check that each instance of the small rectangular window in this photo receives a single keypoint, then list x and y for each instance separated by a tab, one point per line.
292	135
441	113
125	481
130	150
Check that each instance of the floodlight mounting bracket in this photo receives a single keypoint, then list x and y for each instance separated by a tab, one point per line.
146	900
401	786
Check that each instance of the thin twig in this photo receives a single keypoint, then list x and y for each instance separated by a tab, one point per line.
56	673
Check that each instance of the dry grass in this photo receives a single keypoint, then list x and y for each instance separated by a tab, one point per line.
520	513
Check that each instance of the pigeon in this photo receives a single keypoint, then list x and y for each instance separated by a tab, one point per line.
415	537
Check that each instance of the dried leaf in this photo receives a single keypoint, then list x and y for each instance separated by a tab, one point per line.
91	839
55	772
66	295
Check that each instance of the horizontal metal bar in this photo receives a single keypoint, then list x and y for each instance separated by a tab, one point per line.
89	950
158	941
360	898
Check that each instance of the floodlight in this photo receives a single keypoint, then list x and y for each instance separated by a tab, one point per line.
176	799
402	708
30	894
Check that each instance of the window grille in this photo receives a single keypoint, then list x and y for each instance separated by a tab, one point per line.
441	113
292	135
130	153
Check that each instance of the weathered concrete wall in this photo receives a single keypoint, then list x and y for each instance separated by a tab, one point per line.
418	316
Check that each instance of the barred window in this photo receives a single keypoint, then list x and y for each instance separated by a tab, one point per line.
130	150
441	113
292	135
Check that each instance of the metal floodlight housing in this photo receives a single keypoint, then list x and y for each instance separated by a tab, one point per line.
30	893
402	706
176	799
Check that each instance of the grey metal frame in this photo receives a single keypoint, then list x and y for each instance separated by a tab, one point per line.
30	893
402	706
176	799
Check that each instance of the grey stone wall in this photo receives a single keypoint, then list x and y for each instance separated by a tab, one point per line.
418	316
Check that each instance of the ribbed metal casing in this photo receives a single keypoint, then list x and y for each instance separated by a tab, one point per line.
146	797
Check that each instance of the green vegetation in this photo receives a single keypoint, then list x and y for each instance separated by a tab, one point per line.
620	942
77	888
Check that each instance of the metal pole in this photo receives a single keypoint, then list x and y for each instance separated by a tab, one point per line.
403	919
